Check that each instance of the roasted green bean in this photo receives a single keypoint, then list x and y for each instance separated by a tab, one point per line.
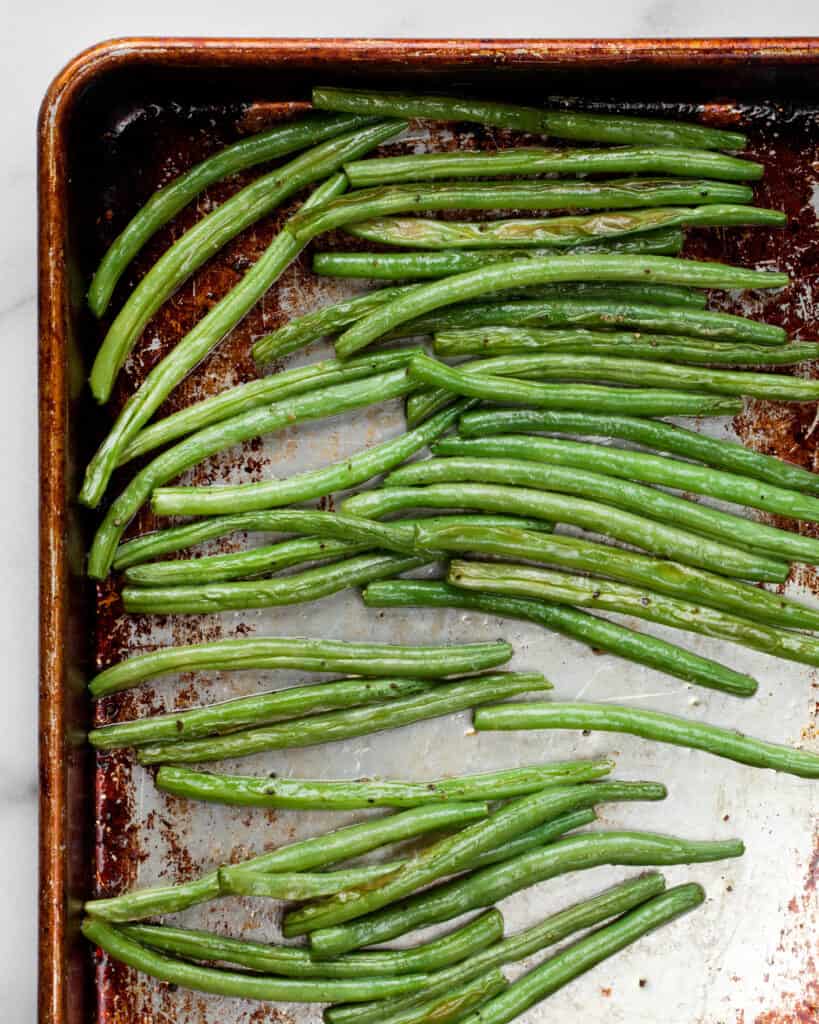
557	232
254	393
243	985
301	330
672	578
308	585
526	161
563	124
346	795
423	266
177	538
652	725
502	341
639	466
622	193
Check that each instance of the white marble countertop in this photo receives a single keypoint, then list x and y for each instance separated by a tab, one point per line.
37	39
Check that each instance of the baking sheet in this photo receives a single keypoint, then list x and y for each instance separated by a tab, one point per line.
748	955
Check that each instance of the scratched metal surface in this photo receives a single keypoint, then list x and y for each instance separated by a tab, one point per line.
749	954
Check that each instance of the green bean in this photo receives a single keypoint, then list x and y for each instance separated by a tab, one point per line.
653	535
607	596
557	232
452	854
193	449
569	963
319	851
639	498
315	483
309	885
587	397
502	341
652	725
598	634
238	565
484	887
225	716
292	961
617	370
305	885
671	578
345	795
525	273
317	324
527	161
642	466
242	985
338	725
420	266
299	588
664	436
167	201
621	193
609	903
364	659
302	330
177	538
254	393
563	124
452	1007
693	323
212	232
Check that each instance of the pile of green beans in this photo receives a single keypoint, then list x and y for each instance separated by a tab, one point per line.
589	327
456	853
617	900
481	888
